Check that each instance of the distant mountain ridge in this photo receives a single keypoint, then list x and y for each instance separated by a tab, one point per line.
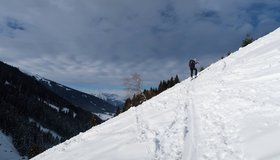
111	98
85	101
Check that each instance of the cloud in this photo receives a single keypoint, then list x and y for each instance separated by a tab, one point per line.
100	42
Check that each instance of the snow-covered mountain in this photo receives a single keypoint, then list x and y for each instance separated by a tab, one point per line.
114	99
230	112
86	101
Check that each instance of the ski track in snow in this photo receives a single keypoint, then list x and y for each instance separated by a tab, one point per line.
214	124
190	140
220	124
169	142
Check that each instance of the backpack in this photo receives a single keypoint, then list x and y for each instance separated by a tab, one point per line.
191	63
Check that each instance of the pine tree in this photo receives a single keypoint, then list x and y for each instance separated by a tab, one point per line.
34	150
201	69
127	104
177	79
247	40
93	121
118	111
170	83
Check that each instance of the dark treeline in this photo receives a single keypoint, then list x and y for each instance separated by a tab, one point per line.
25	107
138	99
247	40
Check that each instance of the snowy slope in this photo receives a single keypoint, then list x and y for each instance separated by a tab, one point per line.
7	149
230	112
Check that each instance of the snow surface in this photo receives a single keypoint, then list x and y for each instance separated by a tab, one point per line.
230	112
7	149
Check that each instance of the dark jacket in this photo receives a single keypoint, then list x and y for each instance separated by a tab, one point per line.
192	63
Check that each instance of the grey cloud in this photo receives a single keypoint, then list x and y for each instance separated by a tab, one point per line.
168	15
96	41
14	24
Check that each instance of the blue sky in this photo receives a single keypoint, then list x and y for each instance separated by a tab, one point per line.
95	44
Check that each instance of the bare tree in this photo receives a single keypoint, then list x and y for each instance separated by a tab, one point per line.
134	85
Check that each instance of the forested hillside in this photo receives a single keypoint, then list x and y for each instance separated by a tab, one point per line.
34	116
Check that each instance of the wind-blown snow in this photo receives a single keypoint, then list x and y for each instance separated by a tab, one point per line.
230	112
